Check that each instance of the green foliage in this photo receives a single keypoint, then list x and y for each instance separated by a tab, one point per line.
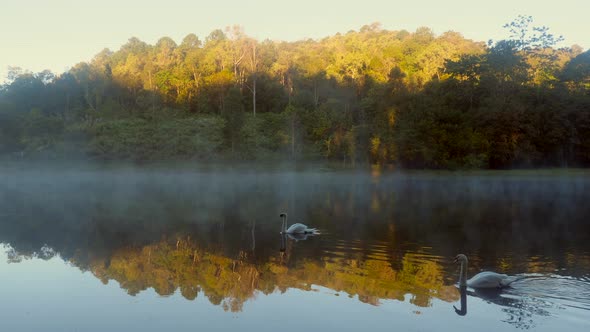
264	136
577	71
9	128
233	113
138	139
41	132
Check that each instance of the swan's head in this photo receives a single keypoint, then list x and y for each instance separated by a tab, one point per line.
283	215
460	259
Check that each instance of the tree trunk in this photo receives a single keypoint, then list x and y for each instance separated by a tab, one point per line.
254	65
67	112
316	97
152	93
293	137
254	96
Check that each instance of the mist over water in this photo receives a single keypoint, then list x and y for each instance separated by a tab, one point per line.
387	240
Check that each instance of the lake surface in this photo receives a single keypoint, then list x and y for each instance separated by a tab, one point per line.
150	250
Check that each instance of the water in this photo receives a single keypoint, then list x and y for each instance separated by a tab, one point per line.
150	250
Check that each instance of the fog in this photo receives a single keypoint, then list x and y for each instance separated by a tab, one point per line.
101	209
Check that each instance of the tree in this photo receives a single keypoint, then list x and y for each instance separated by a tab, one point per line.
577	71
253	66
537	45
233	113
374	95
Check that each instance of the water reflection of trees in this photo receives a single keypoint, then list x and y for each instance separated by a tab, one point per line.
167	266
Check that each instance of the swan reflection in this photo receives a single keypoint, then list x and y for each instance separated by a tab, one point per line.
462	311
300	236
520	307
296	237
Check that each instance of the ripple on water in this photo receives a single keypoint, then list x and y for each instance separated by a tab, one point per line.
566	291
339	248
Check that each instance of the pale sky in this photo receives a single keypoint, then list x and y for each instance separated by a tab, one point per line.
57	34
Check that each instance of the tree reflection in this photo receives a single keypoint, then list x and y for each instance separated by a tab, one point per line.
167	265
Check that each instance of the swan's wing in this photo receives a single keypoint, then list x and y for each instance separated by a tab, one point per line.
487	280
296	228
301	228
510	279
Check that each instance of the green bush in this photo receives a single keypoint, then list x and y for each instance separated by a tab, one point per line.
197	137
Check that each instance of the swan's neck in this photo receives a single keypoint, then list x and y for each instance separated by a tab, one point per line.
284	225
283	240
463	275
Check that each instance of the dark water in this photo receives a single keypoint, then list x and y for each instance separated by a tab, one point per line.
151	250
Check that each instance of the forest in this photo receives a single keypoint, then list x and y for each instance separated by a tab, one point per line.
366	97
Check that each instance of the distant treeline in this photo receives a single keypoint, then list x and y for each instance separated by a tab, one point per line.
370	96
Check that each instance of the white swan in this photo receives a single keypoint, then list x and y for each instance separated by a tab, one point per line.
295	228
483	279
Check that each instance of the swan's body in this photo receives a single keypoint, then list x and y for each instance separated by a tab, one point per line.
483	279
300	236
297	228
490	280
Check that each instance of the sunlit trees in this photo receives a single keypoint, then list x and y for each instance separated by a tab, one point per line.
373	95
537	44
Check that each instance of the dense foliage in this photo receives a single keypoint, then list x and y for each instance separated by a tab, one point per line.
369	96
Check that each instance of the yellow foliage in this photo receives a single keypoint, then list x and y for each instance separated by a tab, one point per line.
391	117
375	144
229	282
277	269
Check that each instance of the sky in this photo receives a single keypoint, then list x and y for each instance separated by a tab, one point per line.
56	34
